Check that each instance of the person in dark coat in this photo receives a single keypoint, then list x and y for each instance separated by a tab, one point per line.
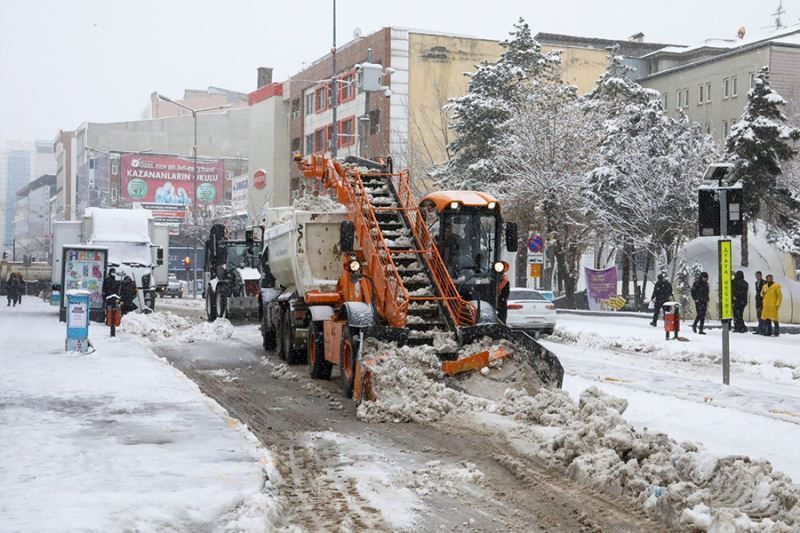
740	291
127	294
662	292
110	284
759	287
20	290
11	289
700	297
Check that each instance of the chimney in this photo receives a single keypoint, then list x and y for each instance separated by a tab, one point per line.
264	76
741	32
637	37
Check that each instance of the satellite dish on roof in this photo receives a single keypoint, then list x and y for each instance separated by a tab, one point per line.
742	30
356	33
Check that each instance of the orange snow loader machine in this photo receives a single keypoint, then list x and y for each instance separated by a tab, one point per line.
427	274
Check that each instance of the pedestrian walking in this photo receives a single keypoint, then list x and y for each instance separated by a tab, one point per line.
127	295
760	282
772	295
20	282
662	292
700	297
11	290
740	292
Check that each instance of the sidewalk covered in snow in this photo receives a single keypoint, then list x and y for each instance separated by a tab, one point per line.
116	439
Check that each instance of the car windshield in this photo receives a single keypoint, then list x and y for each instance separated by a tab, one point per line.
525	294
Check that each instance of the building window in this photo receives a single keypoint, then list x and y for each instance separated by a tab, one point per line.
114	194
348	87
708	92
328	135
752	79
321	99
347	132
296	108
726	88
309	103
679	100
735	90
374	121
319	140
296	144
708	128
666	97
725	128
309	144
686	97
700	98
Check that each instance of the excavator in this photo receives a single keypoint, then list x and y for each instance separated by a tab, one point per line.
427	274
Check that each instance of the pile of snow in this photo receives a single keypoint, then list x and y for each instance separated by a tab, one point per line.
112	225
408	386
163	326
436	476
317	204
678	483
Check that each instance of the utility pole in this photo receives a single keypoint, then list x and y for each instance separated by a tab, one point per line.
334	90
194	207
725	285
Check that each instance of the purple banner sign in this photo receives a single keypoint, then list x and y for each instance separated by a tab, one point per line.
601	286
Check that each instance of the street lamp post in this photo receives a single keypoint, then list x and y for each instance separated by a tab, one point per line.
194	113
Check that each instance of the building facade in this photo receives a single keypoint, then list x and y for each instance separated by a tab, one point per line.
21	161
712	90
32	228
196	99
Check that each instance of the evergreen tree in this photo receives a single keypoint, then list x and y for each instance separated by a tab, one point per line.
757	145
494	94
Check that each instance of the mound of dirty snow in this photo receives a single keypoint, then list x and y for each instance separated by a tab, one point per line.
436	476
408	386
317	204
163	326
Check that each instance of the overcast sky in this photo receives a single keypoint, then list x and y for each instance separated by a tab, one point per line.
67	62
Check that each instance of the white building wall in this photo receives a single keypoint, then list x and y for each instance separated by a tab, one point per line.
398	102
268	148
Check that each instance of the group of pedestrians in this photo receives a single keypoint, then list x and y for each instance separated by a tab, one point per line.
15	288
768	297
124	289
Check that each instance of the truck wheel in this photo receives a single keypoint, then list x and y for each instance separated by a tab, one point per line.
222	305
293	355
211	305
318	367
280	337
268	340
347	361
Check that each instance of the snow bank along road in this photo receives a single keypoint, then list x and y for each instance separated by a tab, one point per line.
116	440
676	387
339	473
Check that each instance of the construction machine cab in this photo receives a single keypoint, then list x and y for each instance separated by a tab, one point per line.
467	227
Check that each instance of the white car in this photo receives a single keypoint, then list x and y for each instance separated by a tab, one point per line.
529	310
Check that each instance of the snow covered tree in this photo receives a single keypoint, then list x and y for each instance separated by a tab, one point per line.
758	145
543	164
494	94
643	187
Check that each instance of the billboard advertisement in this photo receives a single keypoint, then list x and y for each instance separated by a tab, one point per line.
169	180
239	194
601	287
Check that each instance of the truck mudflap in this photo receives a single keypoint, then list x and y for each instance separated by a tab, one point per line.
544	362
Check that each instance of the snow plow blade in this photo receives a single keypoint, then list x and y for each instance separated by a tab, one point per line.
544	362
242	307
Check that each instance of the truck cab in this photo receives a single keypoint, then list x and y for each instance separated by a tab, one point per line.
468	230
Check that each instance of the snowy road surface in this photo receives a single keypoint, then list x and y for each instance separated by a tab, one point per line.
676	387
342	474
116	439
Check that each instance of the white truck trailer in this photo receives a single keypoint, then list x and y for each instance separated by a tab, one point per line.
136	247
300	255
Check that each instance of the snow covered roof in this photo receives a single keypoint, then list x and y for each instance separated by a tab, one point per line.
788	36
116	225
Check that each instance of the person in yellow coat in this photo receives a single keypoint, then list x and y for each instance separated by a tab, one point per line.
772	296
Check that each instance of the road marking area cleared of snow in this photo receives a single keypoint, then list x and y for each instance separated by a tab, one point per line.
118	439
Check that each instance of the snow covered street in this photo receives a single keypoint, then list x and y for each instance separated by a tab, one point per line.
117	439
676	387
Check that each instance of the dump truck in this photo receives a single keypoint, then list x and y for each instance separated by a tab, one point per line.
380	266
231	276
